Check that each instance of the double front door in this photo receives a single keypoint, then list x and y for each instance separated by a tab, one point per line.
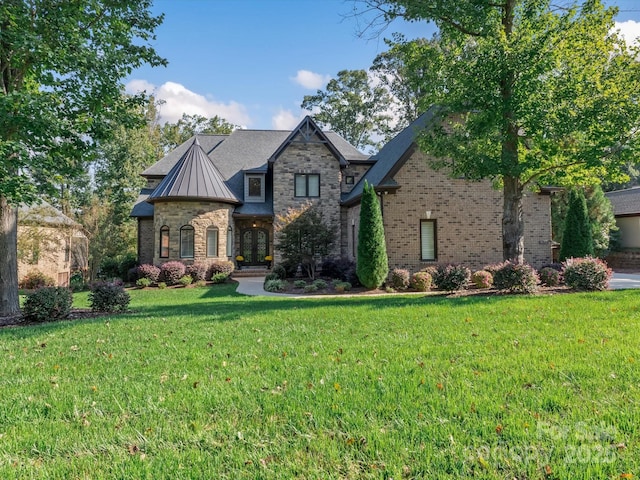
254	245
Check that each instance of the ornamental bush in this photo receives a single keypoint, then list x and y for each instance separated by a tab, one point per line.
421	281
549	277
143	282
279	271
108	297
185	280
482	279
149	271
320	283
274	285
219	278
36	279
224	266
451	277
172	272
586	273
310	288
516	278
399	278
300	283
47	303
342	287
197	271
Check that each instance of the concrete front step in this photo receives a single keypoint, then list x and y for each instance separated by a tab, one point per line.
250	272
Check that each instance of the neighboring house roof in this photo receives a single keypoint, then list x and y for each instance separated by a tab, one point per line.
44	214
625	202
391	157
194	176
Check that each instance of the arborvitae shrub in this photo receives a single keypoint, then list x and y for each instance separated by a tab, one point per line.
373	265
108	297
577	235
223	266
172	272
399	278
197	271
451	277
36	279
516	278
421	281
586	274
549	277
47	303
149	271
482	279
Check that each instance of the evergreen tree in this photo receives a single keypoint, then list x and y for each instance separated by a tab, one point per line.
372	264
577	238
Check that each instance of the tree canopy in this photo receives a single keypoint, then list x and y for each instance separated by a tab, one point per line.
528	94
174	134
60	92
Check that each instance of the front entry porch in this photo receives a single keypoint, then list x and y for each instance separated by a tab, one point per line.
255	244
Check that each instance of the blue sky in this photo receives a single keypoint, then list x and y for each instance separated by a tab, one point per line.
252	61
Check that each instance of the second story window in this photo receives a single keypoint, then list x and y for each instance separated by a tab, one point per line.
307	185
253	187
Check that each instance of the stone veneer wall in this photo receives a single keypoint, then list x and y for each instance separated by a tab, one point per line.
309	157
468	217
146	241
198	214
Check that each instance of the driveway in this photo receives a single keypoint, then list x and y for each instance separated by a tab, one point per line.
624	280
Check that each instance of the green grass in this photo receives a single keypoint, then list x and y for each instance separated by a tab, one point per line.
204	383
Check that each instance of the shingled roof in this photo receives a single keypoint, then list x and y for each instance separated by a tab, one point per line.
194	176
391	157
625	202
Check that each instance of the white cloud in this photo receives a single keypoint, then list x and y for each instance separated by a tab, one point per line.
311	80
178	100
286	120
630	30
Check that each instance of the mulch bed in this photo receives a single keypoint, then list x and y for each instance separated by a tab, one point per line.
76	314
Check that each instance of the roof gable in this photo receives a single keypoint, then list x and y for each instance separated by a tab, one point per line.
308	132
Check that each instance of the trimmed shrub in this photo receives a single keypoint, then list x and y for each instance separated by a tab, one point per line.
172	272
280	271
342	268
149	271
275	285
219	278
197	271
108	297
109	268
310	288
223	266
549	277
482	279
36	279
200	283
586	273
577	234
162	285
342	287
300	283
320	283
373	264
143	282
186	280
399	278
451	277
76	282
272	276
421	281
516	278
127	264
47	303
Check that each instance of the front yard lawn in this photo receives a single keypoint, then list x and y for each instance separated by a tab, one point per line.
204	383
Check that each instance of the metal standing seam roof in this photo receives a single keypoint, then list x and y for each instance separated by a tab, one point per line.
388	158
625	202
194	176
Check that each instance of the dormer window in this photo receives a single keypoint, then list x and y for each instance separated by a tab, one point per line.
254	187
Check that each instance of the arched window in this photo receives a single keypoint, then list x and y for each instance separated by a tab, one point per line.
164	242
186	241
212	242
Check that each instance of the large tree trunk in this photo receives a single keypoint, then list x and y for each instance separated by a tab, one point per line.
512	221
9	303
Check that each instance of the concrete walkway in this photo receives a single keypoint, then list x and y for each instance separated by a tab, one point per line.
253	285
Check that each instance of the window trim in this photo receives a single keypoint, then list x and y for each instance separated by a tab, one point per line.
435	240
212	228
306	185
164	232
254	199
183	229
